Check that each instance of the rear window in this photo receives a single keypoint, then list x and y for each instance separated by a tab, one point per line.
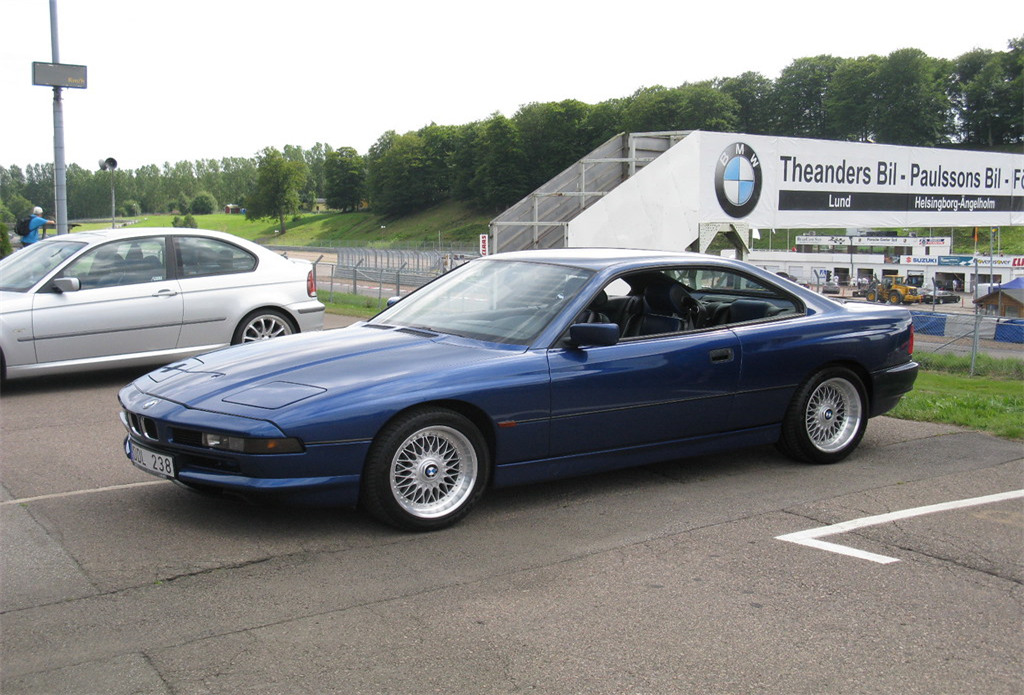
199	257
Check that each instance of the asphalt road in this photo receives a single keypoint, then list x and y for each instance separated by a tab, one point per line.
663	579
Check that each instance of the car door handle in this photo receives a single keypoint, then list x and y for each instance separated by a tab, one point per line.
721	355
165	293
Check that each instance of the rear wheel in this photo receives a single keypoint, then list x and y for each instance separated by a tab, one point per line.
425	470
827	417
896	297
262	324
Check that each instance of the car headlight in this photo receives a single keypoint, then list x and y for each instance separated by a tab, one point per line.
247	445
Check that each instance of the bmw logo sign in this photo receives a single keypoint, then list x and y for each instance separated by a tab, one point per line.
738	179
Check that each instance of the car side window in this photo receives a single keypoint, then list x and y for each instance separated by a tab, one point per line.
198	257
127	262
728	297
686	299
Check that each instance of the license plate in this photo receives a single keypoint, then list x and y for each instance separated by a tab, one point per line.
160	464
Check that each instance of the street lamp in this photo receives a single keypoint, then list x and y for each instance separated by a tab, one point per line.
109	164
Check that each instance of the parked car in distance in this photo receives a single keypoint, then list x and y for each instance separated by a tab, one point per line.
933	296
525	367
120	298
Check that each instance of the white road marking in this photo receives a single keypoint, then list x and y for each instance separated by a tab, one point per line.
58	495
810	536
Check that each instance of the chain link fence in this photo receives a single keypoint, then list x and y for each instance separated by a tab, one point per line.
375	272
968	335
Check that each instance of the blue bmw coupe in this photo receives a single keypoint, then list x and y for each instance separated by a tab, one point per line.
524	367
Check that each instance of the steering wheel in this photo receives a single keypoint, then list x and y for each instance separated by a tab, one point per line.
697	313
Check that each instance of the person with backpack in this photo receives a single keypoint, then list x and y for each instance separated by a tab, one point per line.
35	223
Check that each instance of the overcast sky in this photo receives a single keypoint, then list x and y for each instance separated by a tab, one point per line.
191	79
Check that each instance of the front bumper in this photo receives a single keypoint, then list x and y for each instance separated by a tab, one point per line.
327	472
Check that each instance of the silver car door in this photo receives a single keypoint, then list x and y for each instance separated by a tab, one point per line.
125	305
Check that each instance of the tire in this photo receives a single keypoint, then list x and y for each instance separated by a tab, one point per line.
871	296
896	297
826	419
262	324
425	470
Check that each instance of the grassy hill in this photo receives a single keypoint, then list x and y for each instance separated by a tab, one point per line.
447	223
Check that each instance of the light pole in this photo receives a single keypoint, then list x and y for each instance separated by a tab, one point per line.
109	164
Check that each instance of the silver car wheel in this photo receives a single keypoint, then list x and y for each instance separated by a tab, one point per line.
264	326
833	415
433	472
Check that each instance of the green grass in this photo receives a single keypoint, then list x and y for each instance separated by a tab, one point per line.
984	365
992	401
351	304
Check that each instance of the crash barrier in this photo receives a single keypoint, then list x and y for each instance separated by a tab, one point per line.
963	333
1010	331
929	324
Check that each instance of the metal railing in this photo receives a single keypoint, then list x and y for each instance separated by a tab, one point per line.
380	273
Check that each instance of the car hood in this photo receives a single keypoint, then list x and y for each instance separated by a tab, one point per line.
258	378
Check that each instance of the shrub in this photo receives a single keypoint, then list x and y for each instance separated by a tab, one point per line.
203	204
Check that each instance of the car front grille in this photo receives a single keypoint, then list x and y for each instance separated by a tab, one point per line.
142	426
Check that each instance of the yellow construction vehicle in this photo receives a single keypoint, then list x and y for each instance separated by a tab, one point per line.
895	289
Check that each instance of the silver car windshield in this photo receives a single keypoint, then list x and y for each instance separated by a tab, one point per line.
498	301
23	269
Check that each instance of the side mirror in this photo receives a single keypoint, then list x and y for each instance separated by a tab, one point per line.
63	285
594	334
392	301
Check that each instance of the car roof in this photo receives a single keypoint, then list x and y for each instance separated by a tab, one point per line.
103	235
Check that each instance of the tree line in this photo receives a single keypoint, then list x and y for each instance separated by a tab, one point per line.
975	101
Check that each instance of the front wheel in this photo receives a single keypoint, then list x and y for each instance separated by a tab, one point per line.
262	324
425	470
827	417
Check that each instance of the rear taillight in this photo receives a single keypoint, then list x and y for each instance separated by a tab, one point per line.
311	284
910	343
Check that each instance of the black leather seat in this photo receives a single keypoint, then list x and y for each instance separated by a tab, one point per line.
595	312
662	311
624	311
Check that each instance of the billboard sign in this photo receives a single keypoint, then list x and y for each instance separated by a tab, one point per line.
793	183
817	240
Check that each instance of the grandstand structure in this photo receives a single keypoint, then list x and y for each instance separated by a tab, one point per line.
542	219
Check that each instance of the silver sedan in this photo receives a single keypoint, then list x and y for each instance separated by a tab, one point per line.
117	298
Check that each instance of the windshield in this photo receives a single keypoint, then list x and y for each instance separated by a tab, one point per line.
23	269
497	301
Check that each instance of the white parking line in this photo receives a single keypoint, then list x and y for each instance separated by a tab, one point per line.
810	536
58	495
